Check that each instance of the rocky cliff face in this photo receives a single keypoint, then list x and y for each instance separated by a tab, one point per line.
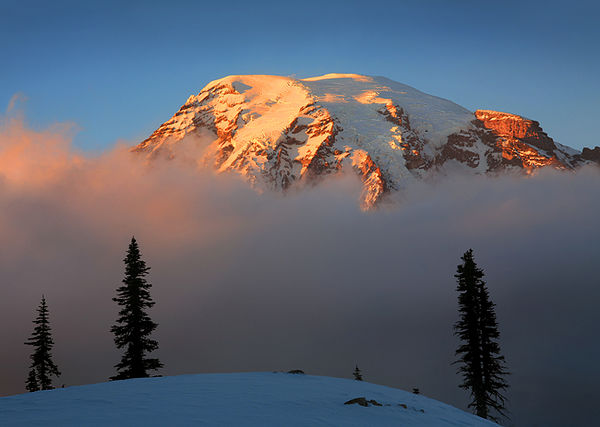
523	142
279	131
591	155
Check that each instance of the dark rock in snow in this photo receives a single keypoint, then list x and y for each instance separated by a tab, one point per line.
362	401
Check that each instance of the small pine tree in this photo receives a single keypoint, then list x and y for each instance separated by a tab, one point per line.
42	365
134	326
481	364
357	374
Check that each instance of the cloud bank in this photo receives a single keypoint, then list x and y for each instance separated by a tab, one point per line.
253	282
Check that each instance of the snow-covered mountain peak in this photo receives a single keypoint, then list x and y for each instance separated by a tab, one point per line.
278	131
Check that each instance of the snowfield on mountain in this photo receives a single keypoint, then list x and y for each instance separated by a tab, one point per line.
240	399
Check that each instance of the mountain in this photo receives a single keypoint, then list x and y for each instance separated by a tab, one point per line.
244	399
277	131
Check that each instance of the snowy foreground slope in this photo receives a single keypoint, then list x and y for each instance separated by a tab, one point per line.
241	399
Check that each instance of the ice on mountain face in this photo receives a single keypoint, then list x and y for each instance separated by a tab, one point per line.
278	131
367	95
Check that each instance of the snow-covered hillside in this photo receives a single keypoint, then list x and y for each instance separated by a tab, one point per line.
277	131
243	399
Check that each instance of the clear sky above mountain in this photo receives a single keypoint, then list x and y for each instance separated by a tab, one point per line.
119	69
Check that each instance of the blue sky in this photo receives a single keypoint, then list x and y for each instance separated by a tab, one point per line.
119	69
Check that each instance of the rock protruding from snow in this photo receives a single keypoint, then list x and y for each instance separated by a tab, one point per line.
362	401
523	142
279	131
592	155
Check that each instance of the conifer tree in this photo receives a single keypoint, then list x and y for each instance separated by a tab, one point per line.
133	327
42	366
481	365
32	384
357	374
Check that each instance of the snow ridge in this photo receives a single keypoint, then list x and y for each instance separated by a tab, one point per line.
242	399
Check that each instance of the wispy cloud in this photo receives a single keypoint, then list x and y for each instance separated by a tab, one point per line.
17	100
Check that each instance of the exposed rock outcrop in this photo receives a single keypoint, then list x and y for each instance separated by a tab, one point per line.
522	141
362	401
593	155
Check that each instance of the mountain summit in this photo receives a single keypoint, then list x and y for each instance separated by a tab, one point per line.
277	131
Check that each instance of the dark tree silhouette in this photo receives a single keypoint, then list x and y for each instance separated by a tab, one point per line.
31	383
357	374
133	327
42	366
481	365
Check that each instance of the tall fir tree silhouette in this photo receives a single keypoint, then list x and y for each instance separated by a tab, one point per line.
133	327
481	365
42	367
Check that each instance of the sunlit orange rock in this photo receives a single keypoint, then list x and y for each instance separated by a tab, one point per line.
521	139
